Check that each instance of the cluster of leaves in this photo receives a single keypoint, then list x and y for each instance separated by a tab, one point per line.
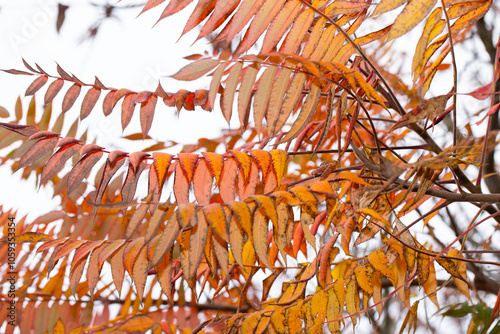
244	214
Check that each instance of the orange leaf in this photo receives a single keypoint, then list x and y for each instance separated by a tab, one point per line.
246	88
227	187
260	232
181	185
140	272
215	163
268	207
277	94
216	217
167	239
188	163
280	24
259	24
215	83
28	237
197	240
262	95
93	270
131	252
244	216
351	177
293	96
136	220
164	274
236	241
263	159
230	89
243	161
202	183
161	163
108	251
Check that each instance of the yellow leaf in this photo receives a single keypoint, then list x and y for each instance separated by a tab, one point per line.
379	261
462	269
364	275
138	323
293	319
352	300
59	328
414	12
417	65
430	286
279	158
333	312
387	5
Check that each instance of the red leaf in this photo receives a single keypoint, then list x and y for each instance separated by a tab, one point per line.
70	97
109	103
82	168
24	130
147	113
482	93
128	106
135	168
173	7
52	91
36	85
151	4
36	151
64	74
115	160
67	149
89	101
